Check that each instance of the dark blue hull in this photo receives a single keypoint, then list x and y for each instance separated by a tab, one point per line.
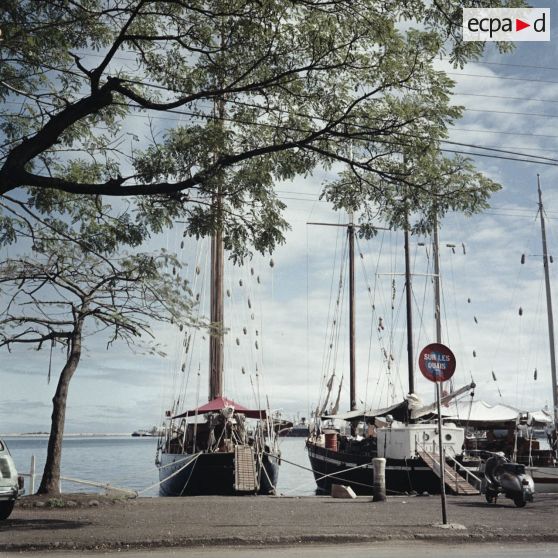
208	474
356	470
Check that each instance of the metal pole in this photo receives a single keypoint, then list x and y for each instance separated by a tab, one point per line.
549	310
352	348
442	457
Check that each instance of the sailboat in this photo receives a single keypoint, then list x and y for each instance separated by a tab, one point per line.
220	447
395	432
542	465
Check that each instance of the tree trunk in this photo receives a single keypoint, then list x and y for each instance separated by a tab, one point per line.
50	483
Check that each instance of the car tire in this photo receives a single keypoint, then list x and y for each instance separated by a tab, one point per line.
6	509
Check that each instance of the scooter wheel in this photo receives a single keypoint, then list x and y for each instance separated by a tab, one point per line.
490	498
520	502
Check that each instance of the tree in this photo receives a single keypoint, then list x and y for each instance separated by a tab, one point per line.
296	81
78	284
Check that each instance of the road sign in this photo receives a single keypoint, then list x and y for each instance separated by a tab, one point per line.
437	362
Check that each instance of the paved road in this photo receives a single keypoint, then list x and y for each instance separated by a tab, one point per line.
149	523
393	550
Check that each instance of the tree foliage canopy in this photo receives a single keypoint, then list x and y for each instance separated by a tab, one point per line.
170	98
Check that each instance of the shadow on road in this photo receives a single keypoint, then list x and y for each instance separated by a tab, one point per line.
37	524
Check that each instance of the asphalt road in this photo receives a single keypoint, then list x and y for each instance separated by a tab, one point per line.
70	524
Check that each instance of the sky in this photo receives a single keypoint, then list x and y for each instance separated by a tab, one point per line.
511	103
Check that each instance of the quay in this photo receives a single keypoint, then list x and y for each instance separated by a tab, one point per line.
93	522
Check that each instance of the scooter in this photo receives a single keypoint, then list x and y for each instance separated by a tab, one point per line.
504	477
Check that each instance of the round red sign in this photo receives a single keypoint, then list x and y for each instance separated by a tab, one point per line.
437	362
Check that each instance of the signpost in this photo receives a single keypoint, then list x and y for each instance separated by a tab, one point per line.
437	364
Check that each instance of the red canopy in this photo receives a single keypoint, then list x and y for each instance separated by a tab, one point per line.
220	403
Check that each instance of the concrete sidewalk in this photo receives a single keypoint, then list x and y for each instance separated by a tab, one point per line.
91	522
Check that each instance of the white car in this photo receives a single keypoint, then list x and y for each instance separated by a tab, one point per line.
11	485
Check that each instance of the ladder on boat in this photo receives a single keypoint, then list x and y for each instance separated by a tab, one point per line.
245	472
453	480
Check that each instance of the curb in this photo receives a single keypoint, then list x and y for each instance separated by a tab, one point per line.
453	537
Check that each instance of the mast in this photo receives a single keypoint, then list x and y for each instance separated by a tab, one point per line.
216	341
437	305
409	300
352	357
549	309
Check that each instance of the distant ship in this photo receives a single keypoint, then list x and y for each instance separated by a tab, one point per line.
145	433
298	430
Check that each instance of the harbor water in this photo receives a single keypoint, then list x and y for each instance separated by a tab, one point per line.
127	462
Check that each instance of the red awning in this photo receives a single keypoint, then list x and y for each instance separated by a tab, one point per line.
220	403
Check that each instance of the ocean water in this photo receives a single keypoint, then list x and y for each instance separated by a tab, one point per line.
127	462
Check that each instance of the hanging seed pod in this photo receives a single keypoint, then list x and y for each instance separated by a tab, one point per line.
228	293
391	357
198	270
197	297
181	244
237	341
389	365
181	327
257	332
256	344
385	353
271	263
361	256
258	279
551	259
252	316
183	367
251	271
493	375
475	318
369	289
463	246
475	354
381	323
535	375
331	345
240	282
249	303
174	270
469	301
245	330
522	259
520	311
243	370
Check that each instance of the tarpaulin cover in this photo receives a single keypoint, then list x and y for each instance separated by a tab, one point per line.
482	413
399	411
219	403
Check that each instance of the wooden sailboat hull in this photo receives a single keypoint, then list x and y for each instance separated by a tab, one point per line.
356	470
208	474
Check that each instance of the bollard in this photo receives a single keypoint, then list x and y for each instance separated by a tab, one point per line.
32	475
379	464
